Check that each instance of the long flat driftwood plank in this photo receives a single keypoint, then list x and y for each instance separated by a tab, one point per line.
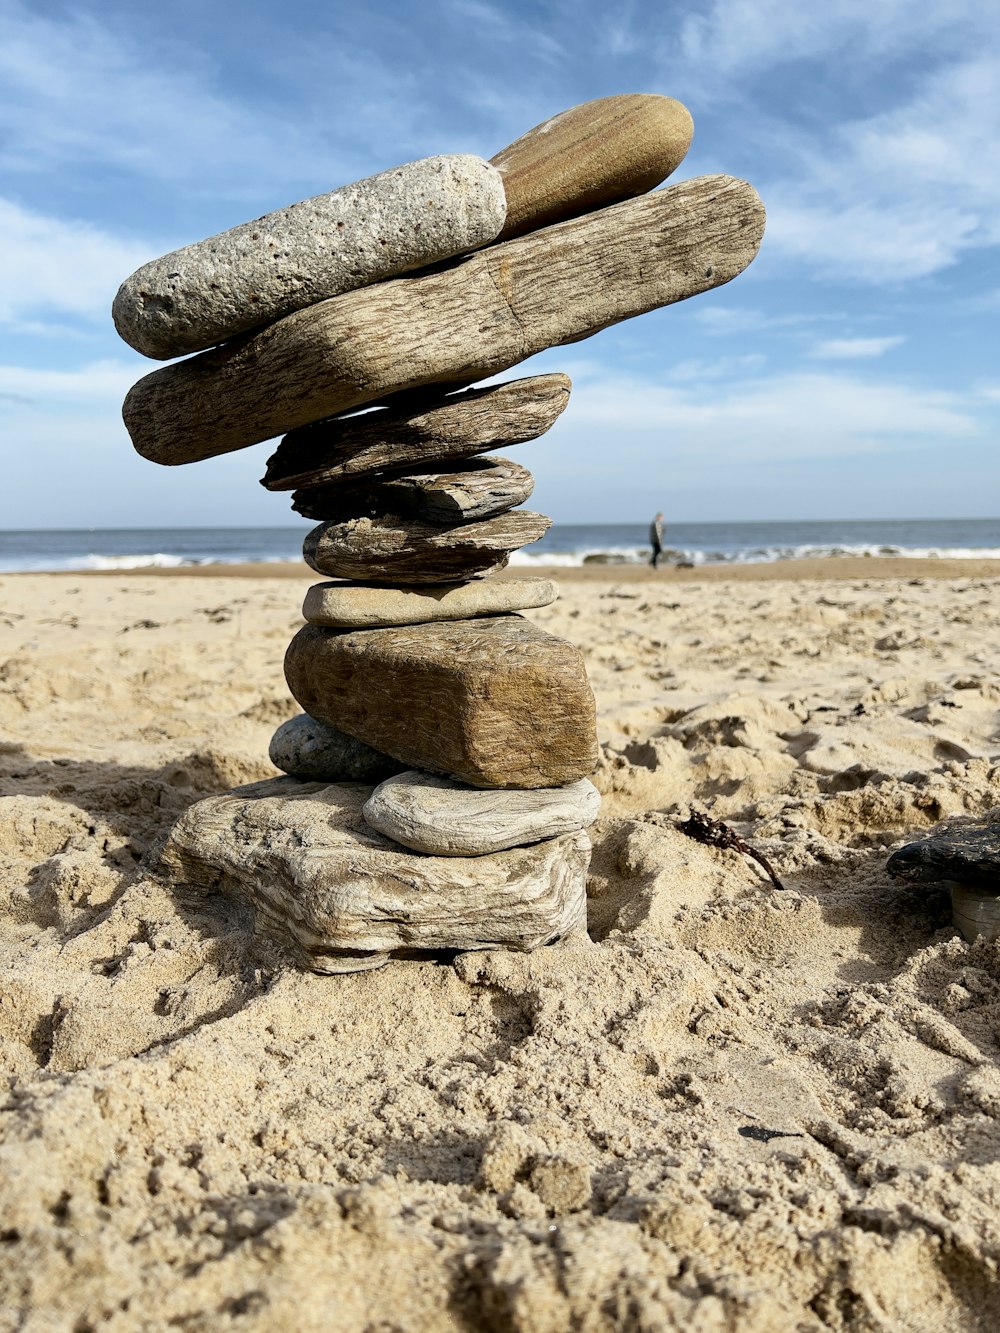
408	435
475	319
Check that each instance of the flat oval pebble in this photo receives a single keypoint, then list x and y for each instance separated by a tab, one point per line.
595	153
361	605
257	272
446	818
305	748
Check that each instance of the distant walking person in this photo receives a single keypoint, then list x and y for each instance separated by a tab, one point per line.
656	538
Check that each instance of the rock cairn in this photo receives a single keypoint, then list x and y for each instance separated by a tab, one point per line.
414	668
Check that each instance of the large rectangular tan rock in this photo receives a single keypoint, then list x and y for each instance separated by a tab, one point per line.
480	316
496	701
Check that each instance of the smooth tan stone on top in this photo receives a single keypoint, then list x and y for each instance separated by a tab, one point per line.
405	550
495	702
360	605
592	154
409	435
344	898
462	323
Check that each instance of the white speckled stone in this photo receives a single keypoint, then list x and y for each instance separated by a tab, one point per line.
447	818
402	219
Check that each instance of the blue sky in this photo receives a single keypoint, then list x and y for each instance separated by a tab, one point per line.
850	372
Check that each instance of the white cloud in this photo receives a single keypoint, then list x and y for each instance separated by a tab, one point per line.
104	382
851	349
903	194
784	416
723	321
51	265
740	35
76	93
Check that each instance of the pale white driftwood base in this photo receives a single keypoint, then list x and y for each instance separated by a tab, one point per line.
344	898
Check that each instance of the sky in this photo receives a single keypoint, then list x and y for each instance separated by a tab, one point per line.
850	372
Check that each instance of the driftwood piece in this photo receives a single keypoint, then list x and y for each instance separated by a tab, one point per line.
407	436
592	154
473	319
406	550
344	898
483	488
360	605
495	702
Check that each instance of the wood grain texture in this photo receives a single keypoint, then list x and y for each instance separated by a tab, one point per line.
595	153
481	489
460	324
495	702
343	898
407	435
406	550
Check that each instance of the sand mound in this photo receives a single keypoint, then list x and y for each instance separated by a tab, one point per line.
735	1109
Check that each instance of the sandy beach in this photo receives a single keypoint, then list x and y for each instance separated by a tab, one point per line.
733	1108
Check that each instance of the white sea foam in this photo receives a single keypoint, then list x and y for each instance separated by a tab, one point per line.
617	555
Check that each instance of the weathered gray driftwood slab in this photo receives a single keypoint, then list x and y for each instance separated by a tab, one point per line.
495	701
362	606
407	550
406	218
408	435
480	316
482	488
344	898
592	154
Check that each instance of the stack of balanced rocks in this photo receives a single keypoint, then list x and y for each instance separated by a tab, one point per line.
415	669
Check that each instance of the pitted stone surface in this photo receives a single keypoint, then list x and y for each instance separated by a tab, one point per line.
452	326
592	154
401	219
343	898
363	606
305	748
481	489
495	702
447	818
405	550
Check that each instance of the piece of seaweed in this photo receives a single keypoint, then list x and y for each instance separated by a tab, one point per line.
715	833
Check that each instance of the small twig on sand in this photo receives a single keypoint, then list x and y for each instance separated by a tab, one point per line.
717	834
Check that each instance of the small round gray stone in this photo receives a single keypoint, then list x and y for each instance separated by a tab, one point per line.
307	749
446	818
258	272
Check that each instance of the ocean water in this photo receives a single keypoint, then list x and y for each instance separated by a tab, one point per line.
563	544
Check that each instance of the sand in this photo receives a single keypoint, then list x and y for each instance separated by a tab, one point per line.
736	1109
